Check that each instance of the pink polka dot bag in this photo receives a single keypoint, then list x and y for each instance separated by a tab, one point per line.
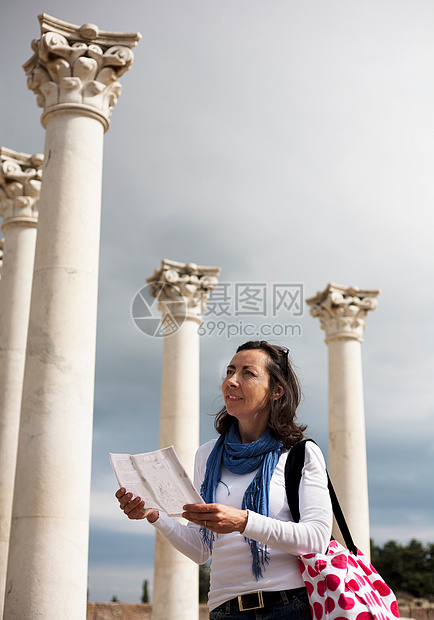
341	584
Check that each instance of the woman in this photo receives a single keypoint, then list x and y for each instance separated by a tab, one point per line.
246	524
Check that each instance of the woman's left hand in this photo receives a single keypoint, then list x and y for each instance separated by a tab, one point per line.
216	517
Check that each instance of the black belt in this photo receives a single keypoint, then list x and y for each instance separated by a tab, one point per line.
258	600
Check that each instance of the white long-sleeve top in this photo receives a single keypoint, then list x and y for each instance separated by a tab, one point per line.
231	566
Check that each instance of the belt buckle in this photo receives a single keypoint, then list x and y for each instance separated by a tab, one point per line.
253	600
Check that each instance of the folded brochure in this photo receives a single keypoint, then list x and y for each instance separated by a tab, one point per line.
158	478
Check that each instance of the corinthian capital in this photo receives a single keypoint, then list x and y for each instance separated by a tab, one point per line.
182	288
20	185
78	67
342	310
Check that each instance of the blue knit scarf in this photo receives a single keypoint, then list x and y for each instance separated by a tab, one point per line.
239	458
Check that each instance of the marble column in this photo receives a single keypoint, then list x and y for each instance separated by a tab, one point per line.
74	73
342	312
20	184
181	290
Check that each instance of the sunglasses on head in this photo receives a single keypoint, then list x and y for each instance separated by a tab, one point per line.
284	353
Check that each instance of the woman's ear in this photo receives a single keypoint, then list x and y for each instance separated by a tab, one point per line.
278	392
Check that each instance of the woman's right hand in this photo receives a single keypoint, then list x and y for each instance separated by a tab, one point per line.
135	508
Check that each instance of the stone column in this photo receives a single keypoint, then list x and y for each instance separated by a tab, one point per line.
20	184
342	311
74	73
181	290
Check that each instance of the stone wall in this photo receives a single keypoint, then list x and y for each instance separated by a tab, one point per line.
130	611
417	612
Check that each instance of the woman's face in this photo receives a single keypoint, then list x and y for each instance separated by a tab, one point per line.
246	389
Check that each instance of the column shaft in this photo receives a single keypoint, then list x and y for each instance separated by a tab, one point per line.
15	292
347	441
176	584
179	412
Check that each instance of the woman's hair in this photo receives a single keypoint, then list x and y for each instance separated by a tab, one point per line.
282	422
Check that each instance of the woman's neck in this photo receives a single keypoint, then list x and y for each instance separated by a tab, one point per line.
249	433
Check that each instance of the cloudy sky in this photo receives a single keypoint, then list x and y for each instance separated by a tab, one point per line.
287	142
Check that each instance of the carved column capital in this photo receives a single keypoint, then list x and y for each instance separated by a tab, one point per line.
20	185
342	310
78	67
182	288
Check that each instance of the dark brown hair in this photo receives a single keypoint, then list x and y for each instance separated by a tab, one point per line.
282	420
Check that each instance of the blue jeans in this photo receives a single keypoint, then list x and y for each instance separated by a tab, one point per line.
294	608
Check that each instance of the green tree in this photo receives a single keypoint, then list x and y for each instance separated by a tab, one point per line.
145	594
204	574
114	599
406	568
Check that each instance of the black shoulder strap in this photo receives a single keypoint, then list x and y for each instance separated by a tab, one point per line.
293	470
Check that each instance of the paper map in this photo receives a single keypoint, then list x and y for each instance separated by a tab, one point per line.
158	478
